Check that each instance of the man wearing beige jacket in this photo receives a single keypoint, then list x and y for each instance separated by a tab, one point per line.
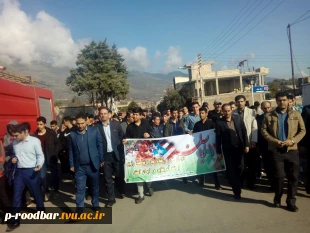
283	128
251	159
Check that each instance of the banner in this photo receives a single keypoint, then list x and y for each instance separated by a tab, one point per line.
171	157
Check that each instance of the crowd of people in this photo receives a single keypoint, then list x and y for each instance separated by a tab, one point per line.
247	137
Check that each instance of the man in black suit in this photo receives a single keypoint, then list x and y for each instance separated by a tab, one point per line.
85	159
232	142
112	135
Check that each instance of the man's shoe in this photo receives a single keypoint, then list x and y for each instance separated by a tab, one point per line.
218	187
276	204
12	227
237	197
97	208
292	208
151	191
122	196
110	204
139	200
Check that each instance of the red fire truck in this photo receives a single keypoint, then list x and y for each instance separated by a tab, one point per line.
23	101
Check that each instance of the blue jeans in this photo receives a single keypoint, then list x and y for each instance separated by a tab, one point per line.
26	177
82	173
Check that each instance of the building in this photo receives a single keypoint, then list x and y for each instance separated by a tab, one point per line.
225	84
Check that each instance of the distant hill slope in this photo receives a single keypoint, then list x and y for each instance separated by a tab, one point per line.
143	85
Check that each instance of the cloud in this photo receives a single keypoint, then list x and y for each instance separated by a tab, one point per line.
174	59
157	55
135	59
43	39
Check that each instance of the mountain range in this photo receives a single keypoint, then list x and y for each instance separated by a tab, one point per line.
144	86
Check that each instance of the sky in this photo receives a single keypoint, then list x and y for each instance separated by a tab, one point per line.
158	36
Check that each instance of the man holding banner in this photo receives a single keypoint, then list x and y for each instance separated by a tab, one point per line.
232	141
139	129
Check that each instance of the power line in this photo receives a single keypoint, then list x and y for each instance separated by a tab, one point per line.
227	26
245	25
301	20
251	28
300	17
224	36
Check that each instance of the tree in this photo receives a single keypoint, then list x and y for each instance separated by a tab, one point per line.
100	73
276	86
132	105
171	99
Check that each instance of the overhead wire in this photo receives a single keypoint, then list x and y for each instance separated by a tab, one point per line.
206	49
225	36
299	18
252	28
244	26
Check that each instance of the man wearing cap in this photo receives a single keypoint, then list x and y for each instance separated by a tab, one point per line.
216	113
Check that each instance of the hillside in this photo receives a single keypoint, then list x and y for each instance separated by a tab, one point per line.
143	86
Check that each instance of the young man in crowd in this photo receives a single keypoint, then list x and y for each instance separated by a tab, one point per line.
86	158
157	129
113	150
232	142
29	158
165	118
185	110
192	118
139	129
284	128
174	126
181	114
202	125
127	121
251	160
232	105
51	147
216	113
54	127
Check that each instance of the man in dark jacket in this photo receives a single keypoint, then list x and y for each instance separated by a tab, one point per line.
306	142
50	147
139	129
157	129
174	126
232	142
202	125
86	158
263	145
112	136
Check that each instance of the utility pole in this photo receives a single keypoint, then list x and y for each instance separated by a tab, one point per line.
292	63
201	84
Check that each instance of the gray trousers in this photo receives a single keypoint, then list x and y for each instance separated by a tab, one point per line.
141	187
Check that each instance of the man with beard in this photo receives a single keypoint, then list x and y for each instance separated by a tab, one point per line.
284	128
232	142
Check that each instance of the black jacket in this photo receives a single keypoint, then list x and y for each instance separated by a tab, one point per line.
223	139
262	142
199	126
306	117
134	131
116	138
169	128
52	143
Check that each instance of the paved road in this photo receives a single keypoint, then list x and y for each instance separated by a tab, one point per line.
177	207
